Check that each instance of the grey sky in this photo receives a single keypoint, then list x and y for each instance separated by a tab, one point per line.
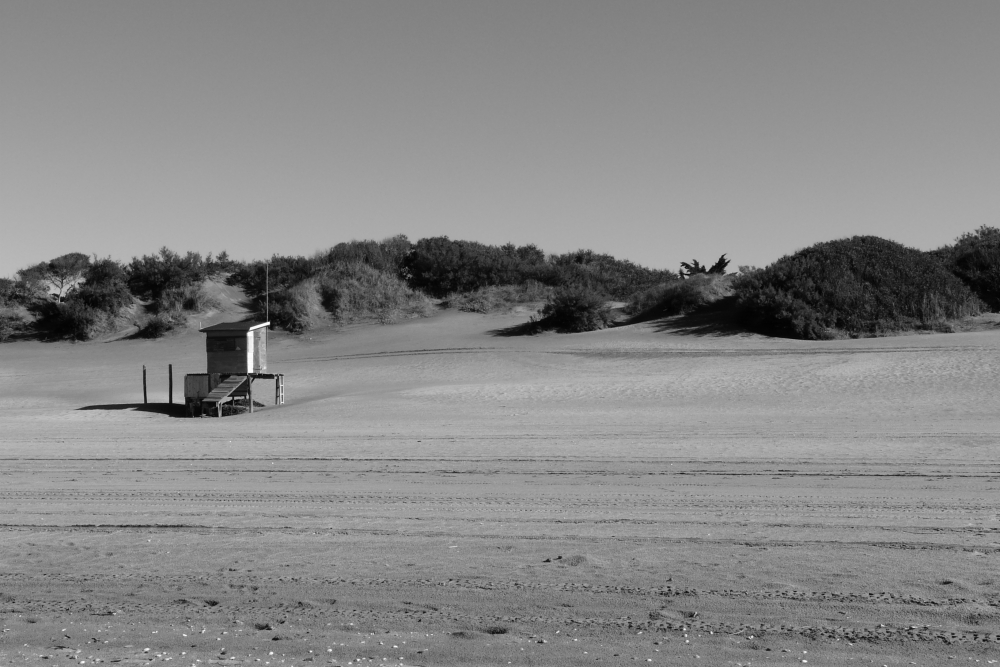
656	131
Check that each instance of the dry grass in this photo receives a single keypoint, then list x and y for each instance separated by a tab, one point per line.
346	294
499	298
680	296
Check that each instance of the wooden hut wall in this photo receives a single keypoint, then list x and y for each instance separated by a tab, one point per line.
229	353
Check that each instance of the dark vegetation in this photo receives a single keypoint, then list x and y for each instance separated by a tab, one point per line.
680	297
975	258
440	267
498	298
351	282
78	297
574	309
467	275
695	269
861	286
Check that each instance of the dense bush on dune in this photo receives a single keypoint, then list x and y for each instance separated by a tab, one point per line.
861	286
13	321
468	275
575	309
91	308
276	274
441	266
355	291
294	308
343	293
296	293
105	287
388	255
150	276
975	258
617	278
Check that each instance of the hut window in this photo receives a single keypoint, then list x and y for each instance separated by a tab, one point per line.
225	344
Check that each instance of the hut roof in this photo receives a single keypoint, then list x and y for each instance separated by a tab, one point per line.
235	326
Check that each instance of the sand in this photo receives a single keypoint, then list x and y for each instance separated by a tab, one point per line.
434	493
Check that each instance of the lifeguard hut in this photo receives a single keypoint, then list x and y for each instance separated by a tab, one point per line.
237	355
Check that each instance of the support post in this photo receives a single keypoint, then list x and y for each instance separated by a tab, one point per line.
145	396
250	392
170	373
277	392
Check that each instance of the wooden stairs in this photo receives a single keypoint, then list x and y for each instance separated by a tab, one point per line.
226	390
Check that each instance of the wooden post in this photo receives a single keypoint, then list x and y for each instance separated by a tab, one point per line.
170	373
250	392
145	397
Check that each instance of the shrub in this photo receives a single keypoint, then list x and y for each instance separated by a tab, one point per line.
221	263
576	309
975	259
356	291
388	255
150	276
191	297
861	286
18	292
680	296
160	325
105	287
618	278
294	308
72	319
278	274
12	323
499	298
302	291
441	266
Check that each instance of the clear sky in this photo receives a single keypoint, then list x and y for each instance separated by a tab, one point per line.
657	131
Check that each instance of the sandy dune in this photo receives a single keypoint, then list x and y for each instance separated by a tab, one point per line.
434	493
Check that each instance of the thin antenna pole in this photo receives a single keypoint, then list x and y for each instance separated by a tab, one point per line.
267	291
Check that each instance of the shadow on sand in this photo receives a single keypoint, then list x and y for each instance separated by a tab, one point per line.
168	409
721	318
529	328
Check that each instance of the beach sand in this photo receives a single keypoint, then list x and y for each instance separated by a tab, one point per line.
435	493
